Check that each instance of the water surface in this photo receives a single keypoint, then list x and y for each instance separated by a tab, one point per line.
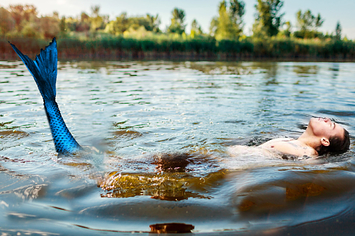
163	129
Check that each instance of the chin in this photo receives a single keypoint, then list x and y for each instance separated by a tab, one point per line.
317	119
314	122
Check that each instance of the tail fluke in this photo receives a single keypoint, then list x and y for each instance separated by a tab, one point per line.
44	72
43	69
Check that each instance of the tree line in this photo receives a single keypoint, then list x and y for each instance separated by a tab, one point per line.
94	36
24	21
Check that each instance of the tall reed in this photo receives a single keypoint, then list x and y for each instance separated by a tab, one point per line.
188	48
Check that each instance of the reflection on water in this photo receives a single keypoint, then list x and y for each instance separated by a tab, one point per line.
171	228
161	131
169	187
306	70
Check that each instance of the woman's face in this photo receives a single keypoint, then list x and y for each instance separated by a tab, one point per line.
324	127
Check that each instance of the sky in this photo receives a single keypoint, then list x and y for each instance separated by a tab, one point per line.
201	10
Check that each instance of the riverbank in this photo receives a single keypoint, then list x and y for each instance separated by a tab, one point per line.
189	49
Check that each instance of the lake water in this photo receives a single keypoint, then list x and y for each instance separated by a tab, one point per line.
163	129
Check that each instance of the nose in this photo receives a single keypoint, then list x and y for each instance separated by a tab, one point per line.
326	119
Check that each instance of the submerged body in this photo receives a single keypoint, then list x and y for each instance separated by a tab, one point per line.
283	148
289	147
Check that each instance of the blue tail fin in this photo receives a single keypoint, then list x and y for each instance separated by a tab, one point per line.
43	69
44	72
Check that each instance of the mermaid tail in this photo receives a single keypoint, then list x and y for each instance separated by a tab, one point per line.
44	72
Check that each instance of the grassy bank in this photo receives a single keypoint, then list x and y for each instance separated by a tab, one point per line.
186	49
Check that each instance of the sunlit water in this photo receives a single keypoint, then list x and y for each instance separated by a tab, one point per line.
163	129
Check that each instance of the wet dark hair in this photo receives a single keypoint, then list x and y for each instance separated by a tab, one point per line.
337	144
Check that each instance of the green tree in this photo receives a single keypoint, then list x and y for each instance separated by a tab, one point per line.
213	26
7	23
338	31
50	26
195	29
225	28
83	25
268	18
305	20
319	21
135	23
28	24
123	23
229	23
308	24
286	32
119	25
71	24
177	21
153	23
96	20
63	25
31	29
23	13
237	11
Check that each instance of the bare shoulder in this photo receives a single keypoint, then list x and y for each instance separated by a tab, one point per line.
289	146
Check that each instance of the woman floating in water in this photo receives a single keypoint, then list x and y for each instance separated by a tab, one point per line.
321	136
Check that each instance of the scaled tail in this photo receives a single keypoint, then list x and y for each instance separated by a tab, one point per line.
44	72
